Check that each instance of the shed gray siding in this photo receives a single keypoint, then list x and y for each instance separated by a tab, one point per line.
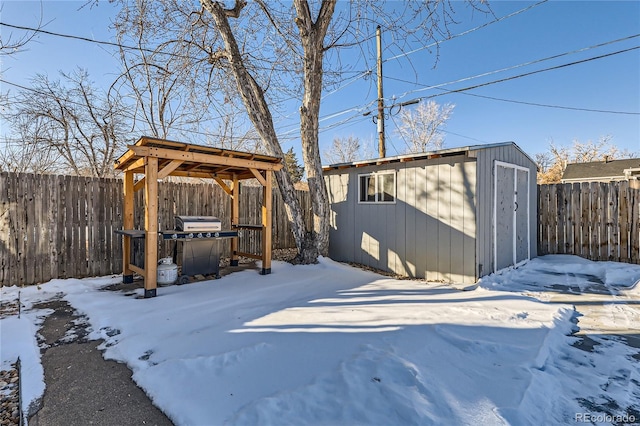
429	232
441	226
486	157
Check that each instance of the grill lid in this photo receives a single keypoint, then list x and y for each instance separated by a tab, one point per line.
198	223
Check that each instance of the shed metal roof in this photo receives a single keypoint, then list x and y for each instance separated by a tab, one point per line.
422	155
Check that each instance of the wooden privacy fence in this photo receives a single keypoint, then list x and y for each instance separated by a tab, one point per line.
63	226
594	220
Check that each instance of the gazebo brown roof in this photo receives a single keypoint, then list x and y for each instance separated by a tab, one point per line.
190	160
158	158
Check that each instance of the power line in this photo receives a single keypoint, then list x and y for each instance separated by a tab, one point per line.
370	71
439	86
515	101
502	18
128	116
139	48
524	64
80	38
360	74
361	108
124	46
495	82
535	72
546	105
282	135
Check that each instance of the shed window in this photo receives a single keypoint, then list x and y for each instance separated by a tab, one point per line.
377	188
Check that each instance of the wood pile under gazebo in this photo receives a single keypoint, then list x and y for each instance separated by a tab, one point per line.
156	159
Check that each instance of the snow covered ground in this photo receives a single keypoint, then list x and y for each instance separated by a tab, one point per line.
332	344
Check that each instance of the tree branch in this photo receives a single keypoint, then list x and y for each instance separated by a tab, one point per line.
235	12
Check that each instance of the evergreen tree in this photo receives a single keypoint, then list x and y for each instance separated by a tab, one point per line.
292	165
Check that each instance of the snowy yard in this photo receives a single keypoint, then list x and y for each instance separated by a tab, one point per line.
332	344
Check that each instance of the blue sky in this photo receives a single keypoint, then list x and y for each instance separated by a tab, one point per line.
553	28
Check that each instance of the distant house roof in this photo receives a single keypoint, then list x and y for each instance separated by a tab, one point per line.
602	170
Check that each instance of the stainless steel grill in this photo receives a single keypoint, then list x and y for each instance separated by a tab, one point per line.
197	242
199	256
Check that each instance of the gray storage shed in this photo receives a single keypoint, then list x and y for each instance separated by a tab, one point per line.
452	215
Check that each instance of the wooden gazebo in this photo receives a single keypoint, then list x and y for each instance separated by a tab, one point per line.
158	158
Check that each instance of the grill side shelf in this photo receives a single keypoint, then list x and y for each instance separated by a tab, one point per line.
180	235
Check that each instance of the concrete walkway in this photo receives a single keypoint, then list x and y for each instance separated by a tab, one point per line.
81	387
605	315
604	311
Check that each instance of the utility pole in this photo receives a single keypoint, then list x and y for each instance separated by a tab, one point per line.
381	146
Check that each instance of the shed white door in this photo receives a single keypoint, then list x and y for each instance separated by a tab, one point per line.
511	215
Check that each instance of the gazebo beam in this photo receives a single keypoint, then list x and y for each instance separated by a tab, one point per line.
169	168
139	184
223	185
196	157
259	177
139	163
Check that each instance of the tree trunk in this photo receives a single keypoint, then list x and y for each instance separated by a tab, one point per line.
260	115
312	35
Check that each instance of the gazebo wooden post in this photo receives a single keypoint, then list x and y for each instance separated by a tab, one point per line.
127	224
151	227
235	217
266	223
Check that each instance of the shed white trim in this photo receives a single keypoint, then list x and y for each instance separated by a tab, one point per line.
377	189
515	168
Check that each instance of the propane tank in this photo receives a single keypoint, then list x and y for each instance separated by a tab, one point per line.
167	271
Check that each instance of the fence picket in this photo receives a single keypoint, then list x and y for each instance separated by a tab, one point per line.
41	231
543	215
562	210
22	234
585	220
553	220
575	216
623	220
5	230
634	228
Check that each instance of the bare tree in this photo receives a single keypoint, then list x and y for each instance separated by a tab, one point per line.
277	49
421	128
23	153
71	121
158	85
232	132
173	81
551	164
603	149
343	150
